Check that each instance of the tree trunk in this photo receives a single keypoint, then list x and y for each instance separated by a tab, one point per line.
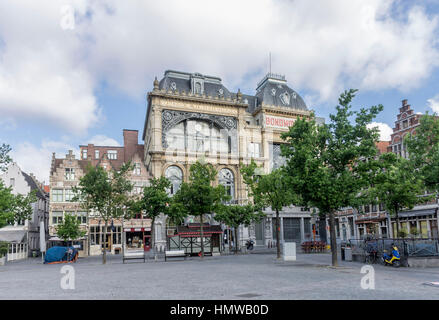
229	234
333	238
202	236
236	240
277	234
397	222
104	255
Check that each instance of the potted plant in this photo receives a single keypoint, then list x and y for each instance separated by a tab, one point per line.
3	252
402	234
414	232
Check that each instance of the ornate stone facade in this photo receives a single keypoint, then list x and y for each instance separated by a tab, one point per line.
224	128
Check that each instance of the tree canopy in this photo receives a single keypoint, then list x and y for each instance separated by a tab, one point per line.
199	197
13	208
69	229
154	201
105	194
423	148
269	190
328	163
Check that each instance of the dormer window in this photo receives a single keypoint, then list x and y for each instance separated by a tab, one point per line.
198	88
197	83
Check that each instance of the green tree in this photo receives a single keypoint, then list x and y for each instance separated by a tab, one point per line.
154	201
69	229
397	185
198	197
5	159
4	245
327	164
269	190
236	215
423	148
105	194
15	208
6	196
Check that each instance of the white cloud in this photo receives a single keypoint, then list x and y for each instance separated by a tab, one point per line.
37	159
101	140
52	74
433	103
42	75
384	129
322	46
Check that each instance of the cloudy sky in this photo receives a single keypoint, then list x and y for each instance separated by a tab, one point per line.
74	72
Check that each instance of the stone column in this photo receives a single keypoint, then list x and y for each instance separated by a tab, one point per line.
390	226
302	229
281	232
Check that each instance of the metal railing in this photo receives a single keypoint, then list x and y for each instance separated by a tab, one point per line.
422	247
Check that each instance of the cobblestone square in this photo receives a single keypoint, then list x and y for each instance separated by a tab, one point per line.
251	276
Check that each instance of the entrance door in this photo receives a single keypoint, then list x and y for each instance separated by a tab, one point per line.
259	231
292	230
434	230
146	241
108	241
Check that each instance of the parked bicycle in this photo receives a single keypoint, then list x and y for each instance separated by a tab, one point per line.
371	253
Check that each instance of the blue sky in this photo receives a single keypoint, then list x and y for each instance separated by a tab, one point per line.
74	72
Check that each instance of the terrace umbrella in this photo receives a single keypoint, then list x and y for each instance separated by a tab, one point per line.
42	239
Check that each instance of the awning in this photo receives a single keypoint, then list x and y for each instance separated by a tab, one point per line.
13	236
416	213
194	230
55	238
136	229
370	220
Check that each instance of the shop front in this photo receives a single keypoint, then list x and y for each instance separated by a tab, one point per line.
137	238
137	234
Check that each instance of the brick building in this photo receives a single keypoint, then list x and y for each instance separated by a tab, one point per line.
66	172
373	219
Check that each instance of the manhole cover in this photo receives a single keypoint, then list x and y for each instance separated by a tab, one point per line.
432	284
248	295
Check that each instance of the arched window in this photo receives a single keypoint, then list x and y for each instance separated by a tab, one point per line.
197	136
175	176
227	179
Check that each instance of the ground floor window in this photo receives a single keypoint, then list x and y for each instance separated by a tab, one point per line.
95	235
137	239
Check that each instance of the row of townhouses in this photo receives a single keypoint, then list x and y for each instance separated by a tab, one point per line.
421	221
190	116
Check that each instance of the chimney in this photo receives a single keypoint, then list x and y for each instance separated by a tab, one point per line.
130	142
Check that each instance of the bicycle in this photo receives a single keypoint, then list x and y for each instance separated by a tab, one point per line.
371	257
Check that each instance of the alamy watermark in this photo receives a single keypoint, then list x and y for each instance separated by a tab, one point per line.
68	279
67	21
368	280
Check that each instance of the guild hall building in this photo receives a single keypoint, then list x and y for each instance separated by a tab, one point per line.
189	117
192	116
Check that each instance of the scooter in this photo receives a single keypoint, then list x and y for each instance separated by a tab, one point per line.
250	244
392	260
